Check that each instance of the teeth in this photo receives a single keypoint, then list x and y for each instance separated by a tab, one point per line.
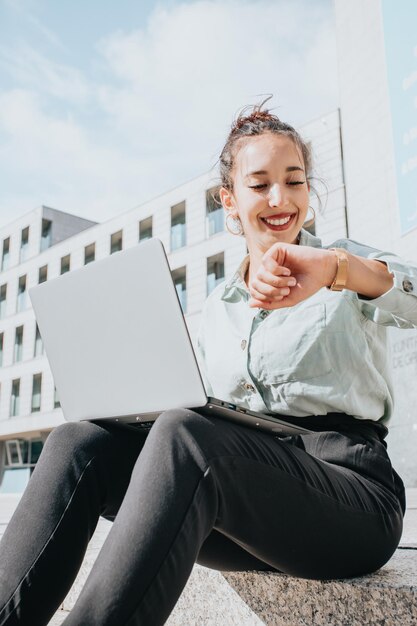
285	220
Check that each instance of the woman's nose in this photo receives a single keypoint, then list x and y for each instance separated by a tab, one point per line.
276	195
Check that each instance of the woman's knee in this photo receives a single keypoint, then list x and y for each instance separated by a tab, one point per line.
72	438
178	422
186	430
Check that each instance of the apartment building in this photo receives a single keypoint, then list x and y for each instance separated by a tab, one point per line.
46	243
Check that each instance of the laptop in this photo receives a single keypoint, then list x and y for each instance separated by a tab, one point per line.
118	345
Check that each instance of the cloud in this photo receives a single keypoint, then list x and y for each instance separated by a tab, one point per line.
205	58
28	67
153	107
60	163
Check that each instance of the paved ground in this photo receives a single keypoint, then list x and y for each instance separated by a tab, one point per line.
9	502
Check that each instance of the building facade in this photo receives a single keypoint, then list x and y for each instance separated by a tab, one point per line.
377	66
46	243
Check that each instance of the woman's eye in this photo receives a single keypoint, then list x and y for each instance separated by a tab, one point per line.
293	182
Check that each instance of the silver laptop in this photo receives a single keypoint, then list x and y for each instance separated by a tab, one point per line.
118	345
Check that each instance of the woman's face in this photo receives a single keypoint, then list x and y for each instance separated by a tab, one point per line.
269	183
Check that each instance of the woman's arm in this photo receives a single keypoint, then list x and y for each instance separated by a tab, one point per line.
383	285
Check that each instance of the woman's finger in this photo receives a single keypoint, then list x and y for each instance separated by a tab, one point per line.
267	290
265	276
275	268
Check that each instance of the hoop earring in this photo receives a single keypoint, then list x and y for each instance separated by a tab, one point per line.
235	227
310	222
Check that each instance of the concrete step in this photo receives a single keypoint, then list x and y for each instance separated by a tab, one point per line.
386	598
210	598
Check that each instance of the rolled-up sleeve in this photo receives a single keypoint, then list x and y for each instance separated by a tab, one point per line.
398	305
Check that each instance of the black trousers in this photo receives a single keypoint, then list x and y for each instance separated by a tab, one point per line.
194	489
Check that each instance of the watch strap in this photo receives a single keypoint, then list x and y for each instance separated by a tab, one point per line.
340	280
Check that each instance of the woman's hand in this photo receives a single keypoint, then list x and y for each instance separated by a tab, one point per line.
310	269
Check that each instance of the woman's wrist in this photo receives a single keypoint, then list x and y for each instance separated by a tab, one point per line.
342	270
368	277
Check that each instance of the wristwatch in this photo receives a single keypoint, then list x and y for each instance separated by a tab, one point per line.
340	280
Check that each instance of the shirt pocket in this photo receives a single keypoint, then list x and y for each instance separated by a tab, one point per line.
295	347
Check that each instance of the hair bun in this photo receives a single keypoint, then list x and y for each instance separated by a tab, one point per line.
253	117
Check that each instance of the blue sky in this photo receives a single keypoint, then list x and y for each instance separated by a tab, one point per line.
104	105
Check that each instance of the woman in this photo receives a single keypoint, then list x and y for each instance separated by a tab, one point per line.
299	330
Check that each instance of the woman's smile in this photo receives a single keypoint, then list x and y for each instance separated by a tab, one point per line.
279	222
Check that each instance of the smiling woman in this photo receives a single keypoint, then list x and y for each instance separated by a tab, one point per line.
194	488
276	191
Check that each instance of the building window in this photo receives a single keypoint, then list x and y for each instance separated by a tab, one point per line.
57	403
214	212
145	229
178	237
46	234
1	348
65	263
15	454
15	398
38	343
89	253
180	282
21	294
18	344
116	242
36	392
20	459
43	274
24	244
3	294
5	256
215	271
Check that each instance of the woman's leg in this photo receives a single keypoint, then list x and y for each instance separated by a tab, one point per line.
83	472
285	507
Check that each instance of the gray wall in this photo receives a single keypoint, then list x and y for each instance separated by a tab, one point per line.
64	225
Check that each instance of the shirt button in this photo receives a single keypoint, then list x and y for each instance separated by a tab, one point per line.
263	314
408	286
243	344
249	387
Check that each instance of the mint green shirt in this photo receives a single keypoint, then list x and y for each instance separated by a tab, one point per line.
325	354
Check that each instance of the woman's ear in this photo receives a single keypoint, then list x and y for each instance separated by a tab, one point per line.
226	198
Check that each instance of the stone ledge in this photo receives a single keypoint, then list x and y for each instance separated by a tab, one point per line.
210	598
387	597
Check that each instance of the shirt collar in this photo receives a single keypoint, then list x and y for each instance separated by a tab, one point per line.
307	239
235	288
